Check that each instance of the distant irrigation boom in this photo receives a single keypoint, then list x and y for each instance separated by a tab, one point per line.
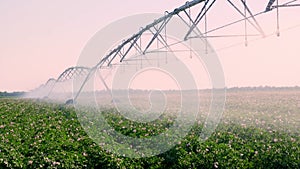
68	74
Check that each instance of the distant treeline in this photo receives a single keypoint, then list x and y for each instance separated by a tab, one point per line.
12	94
263	88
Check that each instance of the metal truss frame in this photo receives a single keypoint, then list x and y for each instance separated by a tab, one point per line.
72	72
158	31
69	74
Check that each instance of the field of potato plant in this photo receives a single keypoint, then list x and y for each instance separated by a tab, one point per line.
259	129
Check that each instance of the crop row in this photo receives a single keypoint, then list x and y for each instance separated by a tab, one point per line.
37	135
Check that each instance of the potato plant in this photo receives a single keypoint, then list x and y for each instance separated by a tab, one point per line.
258	131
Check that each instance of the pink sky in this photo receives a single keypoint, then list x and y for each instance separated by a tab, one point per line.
40	39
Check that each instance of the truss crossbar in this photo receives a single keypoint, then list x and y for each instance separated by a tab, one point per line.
72	72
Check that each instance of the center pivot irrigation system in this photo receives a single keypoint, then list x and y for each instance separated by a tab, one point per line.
158	31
